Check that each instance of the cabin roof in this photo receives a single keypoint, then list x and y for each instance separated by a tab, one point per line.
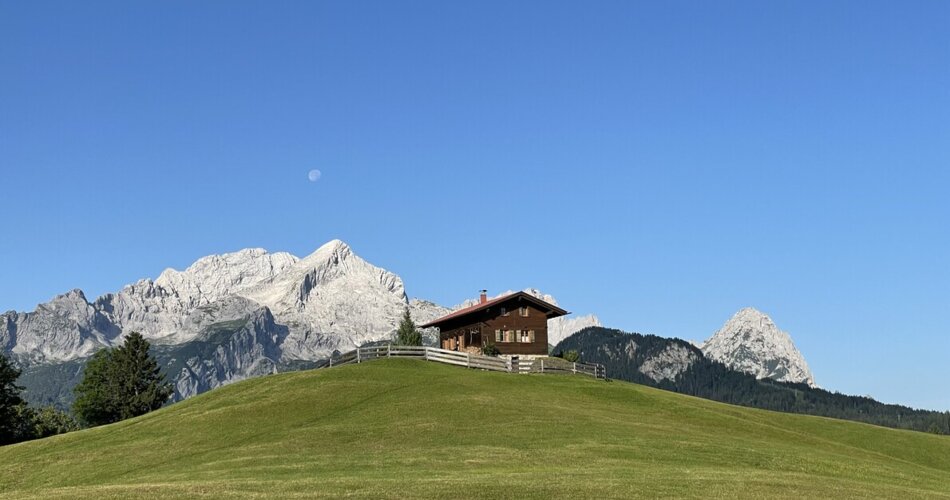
552	310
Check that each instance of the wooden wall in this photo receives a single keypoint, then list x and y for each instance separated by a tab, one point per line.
486	322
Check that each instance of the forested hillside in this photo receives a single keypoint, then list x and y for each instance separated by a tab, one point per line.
632	357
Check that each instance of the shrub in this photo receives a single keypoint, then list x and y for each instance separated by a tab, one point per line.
490	350
572	356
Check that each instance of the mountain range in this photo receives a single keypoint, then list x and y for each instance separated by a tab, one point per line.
248	313
225	318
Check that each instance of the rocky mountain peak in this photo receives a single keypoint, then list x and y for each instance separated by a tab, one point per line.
751	342
332	254
74	295
753	315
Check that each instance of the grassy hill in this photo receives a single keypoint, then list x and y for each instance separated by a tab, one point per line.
397	428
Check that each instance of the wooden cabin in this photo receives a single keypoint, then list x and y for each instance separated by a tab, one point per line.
517	324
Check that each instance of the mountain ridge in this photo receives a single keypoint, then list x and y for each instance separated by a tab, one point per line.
677	365
304	310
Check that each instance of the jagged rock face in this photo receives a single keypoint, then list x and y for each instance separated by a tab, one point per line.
329	300
64	328
158	309
333	290
422	312
669	363
563	327
8	323
750	342
226	352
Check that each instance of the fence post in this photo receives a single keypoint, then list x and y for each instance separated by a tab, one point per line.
575	368
468	360
542	365
425	353
357	354
389	349
331	360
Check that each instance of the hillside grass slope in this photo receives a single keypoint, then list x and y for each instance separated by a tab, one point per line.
403	428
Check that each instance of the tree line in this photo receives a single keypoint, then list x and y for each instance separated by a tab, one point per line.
709	379
117	384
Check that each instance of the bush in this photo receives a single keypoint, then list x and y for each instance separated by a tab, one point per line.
490	350
49	421
38	423
571	356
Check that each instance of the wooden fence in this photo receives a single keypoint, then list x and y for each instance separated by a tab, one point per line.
537	365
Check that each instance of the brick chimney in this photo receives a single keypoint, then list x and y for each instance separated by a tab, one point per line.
483	297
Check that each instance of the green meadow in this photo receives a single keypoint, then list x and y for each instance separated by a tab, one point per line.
400	428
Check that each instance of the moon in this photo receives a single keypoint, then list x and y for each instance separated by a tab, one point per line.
314	175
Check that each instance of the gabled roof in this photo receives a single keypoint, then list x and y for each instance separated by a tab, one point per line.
553	311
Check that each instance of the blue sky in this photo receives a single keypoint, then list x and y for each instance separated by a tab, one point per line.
661	164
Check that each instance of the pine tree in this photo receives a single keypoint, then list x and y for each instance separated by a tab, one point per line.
97	393
408	334
142	382
120	383
10	403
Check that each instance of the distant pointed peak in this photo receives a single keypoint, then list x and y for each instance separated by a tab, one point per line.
750	311
72	296
751	315
751	342
75	293
330	251
335	245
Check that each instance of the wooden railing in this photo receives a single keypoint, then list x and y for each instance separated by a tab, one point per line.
468	360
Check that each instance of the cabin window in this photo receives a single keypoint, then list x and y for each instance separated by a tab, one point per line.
531	336
509	336
525	336
504	312
524	312
498	336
